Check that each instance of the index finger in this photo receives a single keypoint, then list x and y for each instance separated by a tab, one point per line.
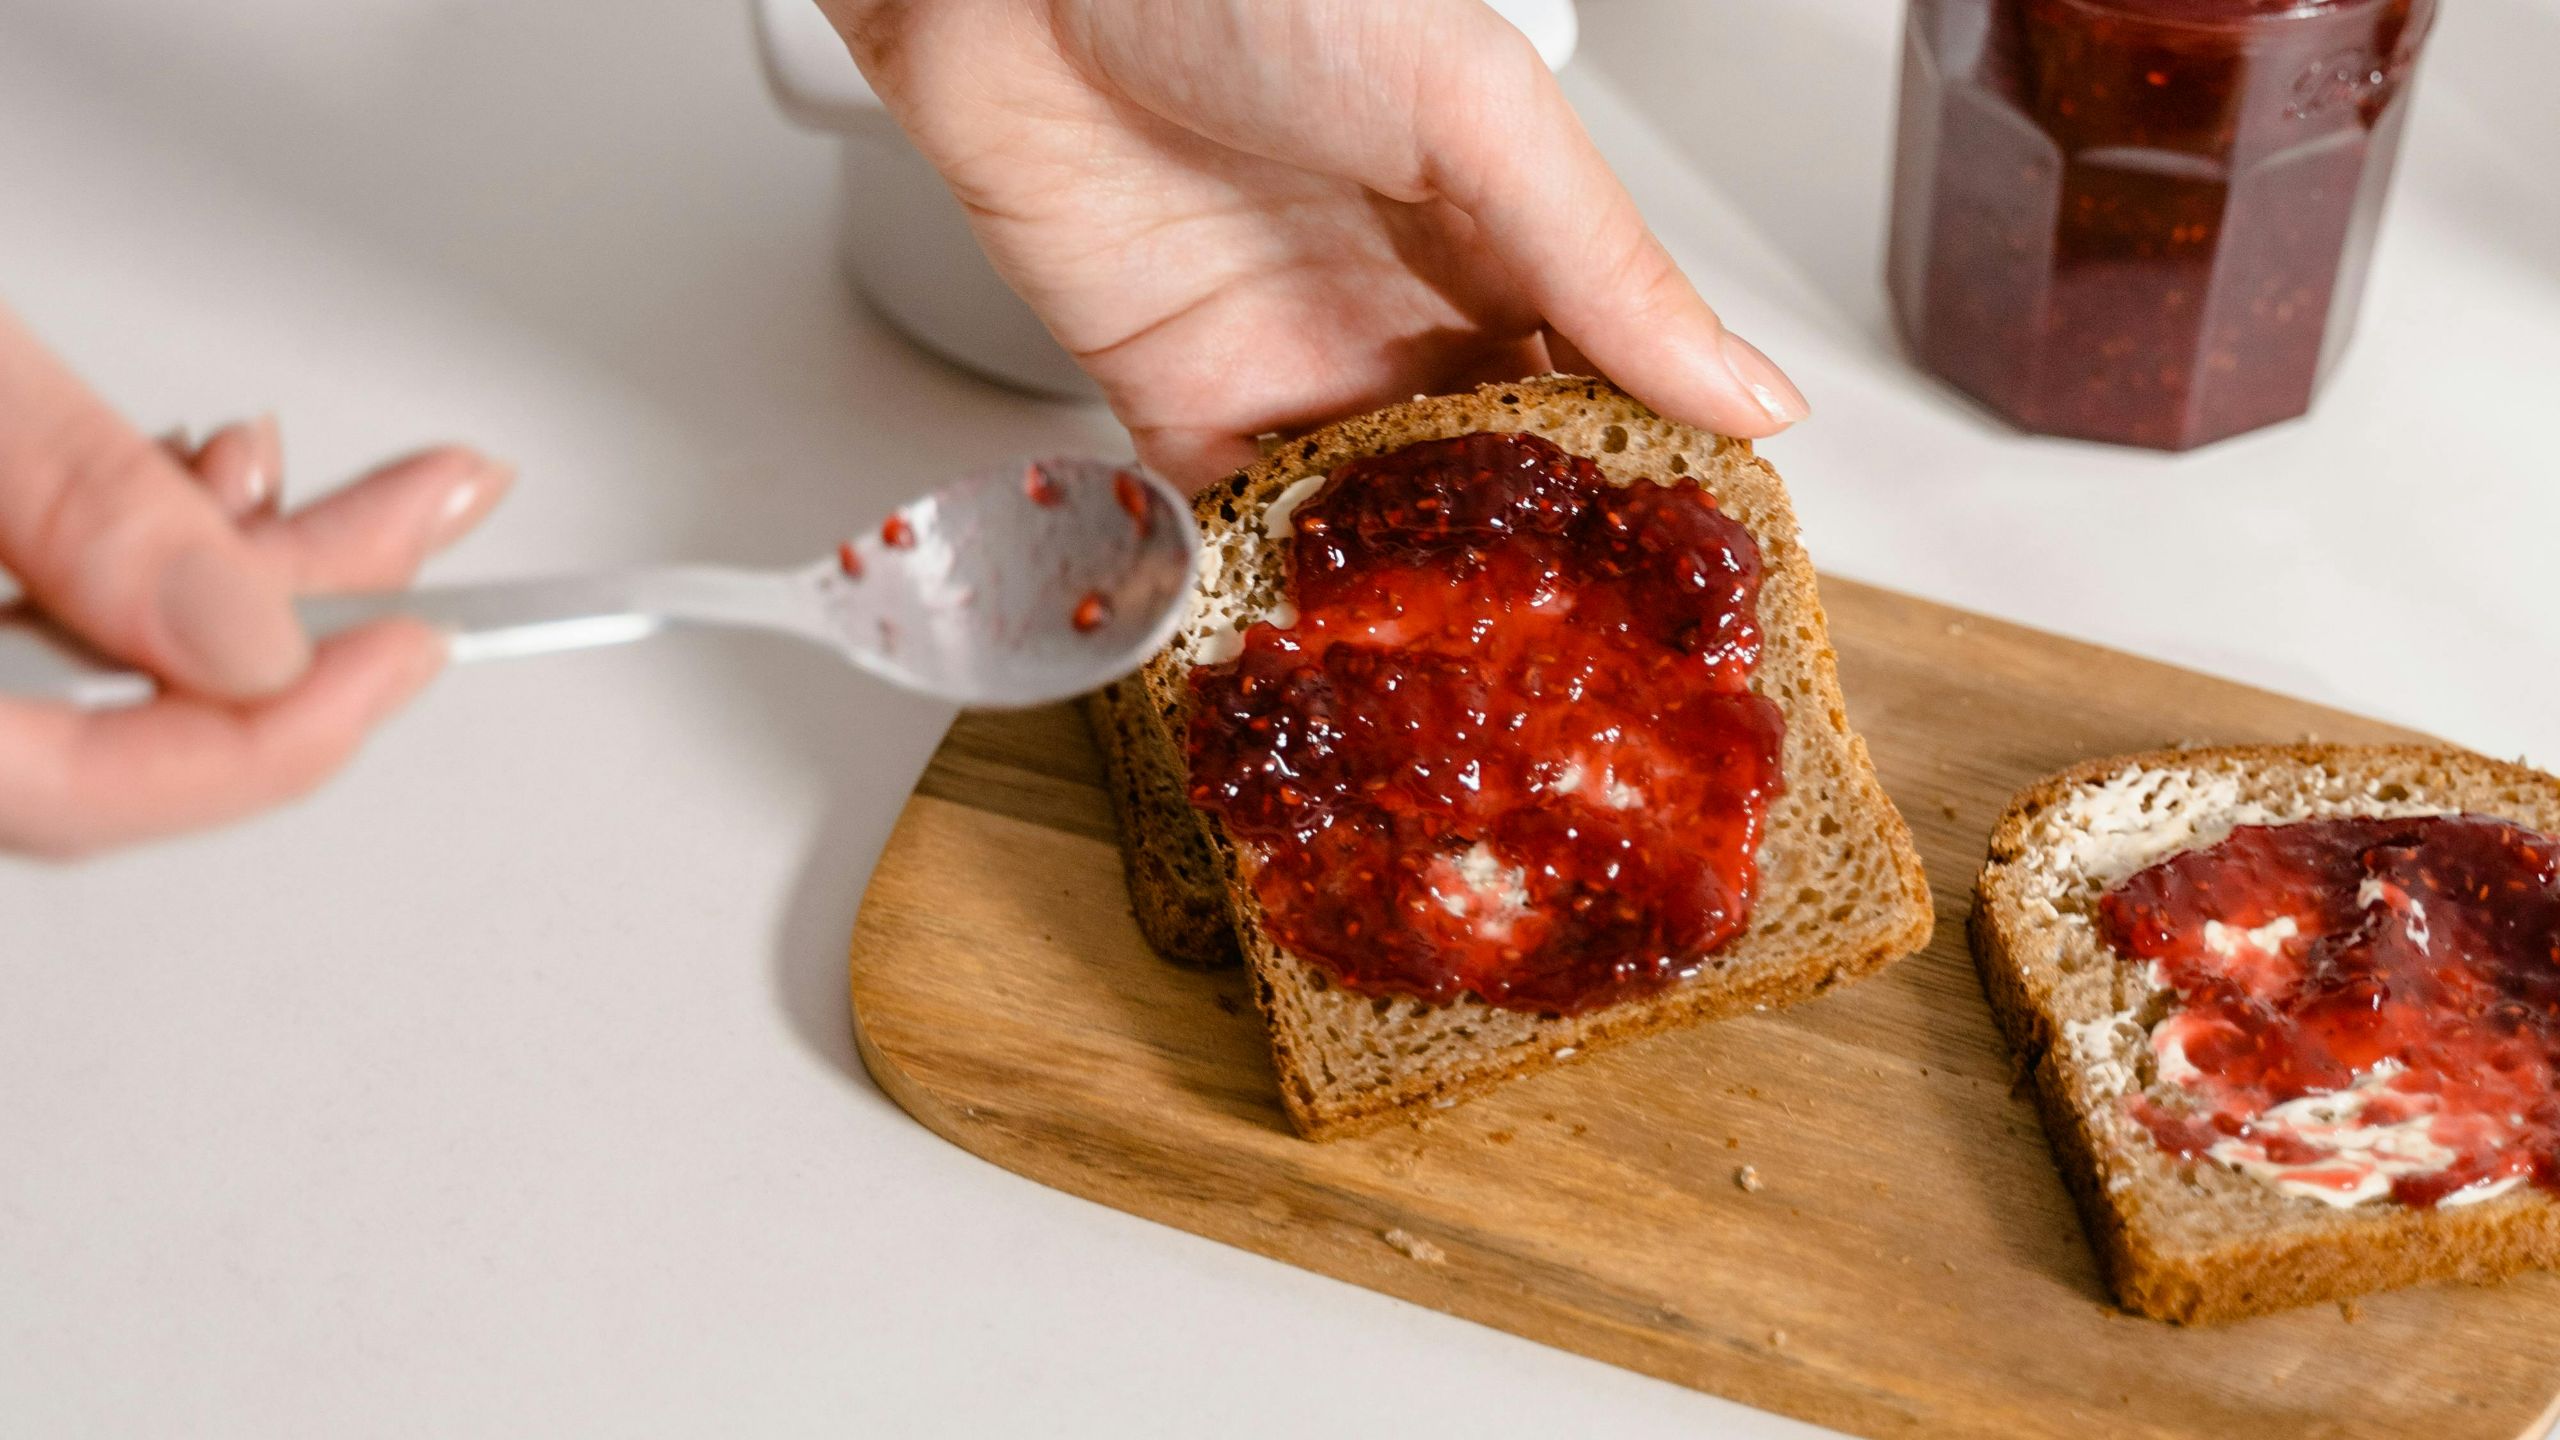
110	537
74	782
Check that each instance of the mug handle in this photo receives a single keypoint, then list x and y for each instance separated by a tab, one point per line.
814	79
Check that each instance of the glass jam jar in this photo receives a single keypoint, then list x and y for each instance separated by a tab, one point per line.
2143	221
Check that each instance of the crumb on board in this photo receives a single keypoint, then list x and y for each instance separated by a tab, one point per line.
1581	1129
1947	1265
2350	1311
1948	810
1228	1004
1733	1142
1415	1247
1777	1337
1748	1178
1501	1137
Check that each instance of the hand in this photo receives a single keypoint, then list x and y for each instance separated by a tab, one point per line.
179	560
1246	216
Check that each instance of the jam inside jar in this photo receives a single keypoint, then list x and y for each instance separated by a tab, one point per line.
2143	221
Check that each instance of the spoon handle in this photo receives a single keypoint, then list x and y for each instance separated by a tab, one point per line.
501	620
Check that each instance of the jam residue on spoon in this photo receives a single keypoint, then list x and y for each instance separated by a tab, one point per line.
1507	745
1040	487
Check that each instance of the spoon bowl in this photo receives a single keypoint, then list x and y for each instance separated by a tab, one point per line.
1015	586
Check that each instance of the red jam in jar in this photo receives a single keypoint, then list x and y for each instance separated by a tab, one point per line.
1507	746
2364	1007
2143	221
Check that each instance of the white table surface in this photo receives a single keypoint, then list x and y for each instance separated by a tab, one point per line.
506	1086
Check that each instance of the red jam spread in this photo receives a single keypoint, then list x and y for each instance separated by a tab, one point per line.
2415	963
1508	746
2143	221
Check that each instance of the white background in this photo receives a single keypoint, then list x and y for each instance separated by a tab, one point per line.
506	1087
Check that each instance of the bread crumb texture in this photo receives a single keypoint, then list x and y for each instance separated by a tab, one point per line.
1414	1247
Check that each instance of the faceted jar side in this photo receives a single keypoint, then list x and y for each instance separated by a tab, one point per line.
2142	221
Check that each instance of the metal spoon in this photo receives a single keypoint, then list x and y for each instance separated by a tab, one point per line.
1015	586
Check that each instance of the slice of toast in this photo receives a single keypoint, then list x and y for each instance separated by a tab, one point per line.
1841	889
2192	1240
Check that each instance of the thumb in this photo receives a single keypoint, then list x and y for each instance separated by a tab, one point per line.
112	540
1516	159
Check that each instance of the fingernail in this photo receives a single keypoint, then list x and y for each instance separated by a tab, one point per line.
229	632
1767	383
468	501
238	469
266	462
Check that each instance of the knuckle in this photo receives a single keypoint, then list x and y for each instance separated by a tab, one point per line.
89	509
294	771
1649	282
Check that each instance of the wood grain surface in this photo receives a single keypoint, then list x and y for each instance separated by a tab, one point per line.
1908	1263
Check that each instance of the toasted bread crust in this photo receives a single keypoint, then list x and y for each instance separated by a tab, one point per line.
1175	881
1816	717
2256	1269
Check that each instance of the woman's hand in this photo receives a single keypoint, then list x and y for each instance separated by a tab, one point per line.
179	560
1245	216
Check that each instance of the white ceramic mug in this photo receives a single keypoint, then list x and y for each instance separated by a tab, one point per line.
906	242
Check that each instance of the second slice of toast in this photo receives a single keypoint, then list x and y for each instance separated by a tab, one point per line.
2191	1240
1841	889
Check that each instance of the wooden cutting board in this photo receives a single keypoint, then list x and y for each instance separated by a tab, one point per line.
1909	1264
